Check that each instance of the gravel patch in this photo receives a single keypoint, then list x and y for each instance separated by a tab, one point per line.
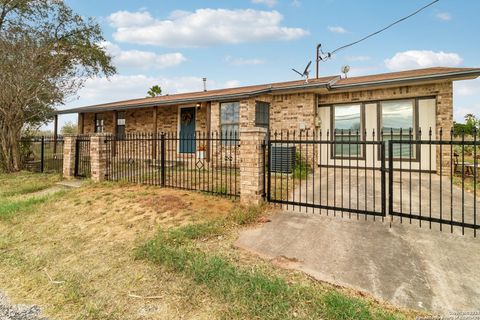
19	311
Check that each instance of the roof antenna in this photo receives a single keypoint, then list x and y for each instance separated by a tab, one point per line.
345	70
204	84
305	72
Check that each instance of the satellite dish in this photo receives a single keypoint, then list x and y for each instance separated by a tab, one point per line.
305	73
345	70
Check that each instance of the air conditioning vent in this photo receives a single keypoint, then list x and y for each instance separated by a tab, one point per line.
282	158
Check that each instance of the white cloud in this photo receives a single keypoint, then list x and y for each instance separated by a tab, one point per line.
204	27
122	87
422	59
444	16
337	29
268	3
243	61
142	59
358	58
126	19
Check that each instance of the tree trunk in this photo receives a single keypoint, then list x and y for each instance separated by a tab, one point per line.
10	149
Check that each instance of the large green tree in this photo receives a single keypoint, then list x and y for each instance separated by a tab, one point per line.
46	54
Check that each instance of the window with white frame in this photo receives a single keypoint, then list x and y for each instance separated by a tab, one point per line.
397	122
347	126
229	119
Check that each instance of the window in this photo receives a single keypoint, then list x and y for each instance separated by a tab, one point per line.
262	114
229	119
99	123
347	125
398	123
120	124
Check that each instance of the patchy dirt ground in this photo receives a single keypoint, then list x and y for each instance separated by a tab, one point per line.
74	256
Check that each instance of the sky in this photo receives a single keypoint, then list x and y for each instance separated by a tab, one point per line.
177	43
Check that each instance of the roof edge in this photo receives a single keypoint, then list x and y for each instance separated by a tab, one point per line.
474	73
101	107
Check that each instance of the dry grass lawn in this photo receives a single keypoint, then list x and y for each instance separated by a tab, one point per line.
75	254
84	241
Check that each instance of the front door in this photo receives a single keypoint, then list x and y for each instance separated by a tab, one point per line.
187	130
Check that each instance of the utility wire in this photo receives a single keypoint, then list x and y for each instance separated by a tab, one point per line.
383	29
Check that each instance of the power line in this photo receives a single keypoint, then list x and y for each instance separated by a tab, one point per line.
381	30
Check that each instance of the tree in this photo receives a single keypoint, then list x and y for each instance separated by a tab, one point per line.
46	54
155	91
69	128
471	125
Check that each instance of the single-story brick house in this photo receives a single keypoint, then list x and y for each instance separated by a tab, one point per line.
417	99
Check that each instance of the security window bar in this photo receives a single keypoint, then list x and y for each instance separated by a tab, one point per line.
262	114
99	123
347	127
121	125
229	121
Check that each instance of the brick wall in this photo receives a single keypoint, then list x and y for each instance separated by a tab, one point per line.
142	120
288	111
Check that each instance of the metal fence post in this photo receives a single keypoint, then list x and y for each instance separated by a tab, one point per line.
383	182
77	156
390	177
264	146
162	161
269	166
42	154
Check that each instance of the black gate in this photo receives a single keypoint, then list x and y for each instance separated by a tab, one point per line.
432	183
82	157
435	182
338	173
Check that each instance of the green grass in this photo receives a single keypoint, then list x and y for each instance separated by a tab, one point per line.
25	182
10	208
249	292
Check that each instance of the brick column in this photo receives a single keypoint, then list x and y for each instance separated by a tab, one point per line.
444	122
98	157
251	165
69	150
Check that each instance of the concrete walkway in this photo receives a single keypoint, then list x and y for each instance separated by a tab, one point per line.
405	265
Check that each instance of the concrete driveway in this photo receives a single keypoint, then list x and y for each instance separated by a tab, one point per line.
405	265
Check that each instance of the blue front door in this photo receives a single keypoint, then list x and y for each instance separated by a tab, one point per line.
187	130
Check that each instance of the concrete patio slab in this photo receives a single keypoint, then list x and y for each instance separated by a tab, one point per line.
405	265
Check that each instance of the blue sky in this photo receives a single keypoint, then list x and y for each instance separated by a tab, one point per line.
176	43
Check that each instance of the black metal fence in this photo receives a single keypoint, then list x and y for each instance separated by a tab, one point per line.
42	153
412	176
82	157
205	162
310	171
436	181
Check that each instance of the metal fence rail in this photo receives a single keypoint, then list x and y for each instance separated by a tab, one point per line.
443	191
205	162
325	175
407	175
42	153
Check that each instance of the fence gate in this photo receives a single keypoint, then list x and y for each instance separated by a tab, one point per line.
82	157
345	175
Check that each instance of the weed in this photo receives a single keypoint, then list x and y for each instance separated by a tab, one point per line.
9	208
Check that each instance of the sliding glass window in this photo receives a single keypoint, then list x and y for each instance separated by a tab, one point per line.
347	125
398	123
